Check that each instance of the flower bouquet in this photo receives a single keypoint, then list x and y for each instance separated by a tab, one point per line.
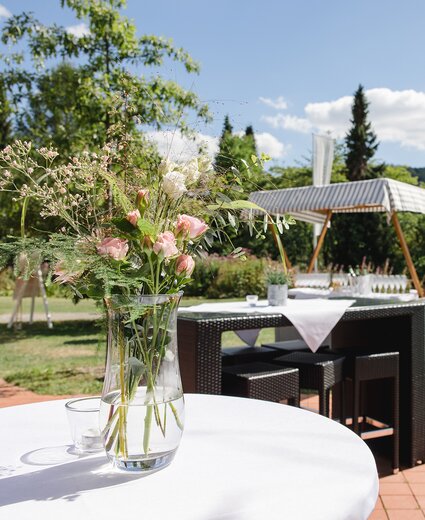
127	237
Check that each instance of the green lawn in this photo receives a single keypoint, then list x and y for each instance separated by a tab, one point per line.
55	305
68	359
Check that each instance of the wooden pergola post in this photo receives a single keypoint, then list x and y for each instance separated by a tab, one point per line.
406	252
320	241
276	241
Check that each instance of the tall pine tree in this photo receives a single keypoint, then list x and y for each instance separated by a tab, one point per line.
235	150
361	141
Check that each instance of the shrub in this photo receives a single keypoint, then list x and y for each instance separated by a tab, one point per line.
228	277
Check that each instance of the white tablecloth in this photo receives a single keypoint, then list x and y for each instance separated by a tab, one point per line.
314	319
240	459
312	292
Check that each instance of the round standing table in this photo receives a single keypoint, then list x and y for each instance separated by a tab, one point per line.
239	459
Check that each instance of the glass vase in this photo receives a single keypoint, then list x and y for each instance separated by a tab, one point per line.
142	406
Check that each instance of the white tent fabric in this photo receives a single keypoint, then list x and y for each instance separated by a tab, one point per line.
310	203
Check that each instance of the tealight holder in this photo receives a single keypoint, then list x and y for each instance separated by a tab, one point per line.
252	299
83	418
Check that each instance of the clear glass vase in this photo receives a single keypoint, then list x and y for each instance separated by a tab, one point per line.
142	406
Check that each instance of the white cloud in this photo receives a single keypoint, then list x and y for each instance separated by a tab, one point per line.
270	145
397	116
181	148
78	30
177	147
298	124
4	12
278	103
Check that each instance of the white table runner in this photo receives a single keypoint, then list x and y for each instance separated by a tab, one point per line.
313	319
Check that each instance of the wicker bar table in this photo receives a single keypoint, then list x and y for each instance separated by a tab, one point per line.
379	328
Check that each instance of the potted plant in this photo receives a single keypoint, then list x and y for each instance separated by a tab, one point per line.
277	286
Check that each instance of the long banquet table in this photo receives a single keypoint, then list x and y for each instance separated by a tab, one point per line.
380	328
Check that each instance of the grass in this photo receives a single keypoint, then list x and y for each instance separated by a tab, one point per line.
55	305
68	359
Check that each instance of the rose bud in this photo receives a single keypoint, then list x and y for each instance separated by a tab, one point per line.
142	200
133	217
185	265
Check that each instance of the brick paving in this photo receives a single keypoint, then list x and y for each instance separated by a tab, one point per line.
401	496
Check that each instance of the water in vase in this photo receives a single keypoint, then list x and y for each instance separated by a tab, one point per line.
144	434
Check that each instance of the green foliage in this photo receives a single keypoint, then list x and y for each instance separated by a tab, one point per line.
361	142
235	152
103	61
227	277
276	276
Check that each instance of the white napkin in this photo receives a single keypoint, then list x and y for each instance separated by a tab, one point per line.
249	336
313	319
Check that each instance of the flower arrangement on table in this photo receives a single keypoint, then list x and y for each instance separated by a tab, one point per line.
125	234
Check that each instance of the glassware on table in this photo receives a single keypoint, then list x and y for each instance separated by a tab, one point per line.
252	299
83	418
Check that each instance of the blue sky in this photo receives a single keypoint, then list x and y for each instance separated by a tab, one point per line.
290	67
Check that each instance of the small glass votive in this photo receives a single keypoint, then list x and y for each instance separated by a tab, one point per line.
83	418
252	299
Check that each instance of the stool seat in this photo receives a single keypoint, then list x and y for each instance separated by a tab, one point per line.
242	355
320	372
262	381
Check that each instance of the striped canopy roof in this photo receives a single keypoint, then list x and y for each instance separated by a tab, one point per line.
311	203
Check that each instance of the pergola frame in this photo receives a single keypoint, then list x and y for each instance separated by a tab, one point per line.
401	239
317	204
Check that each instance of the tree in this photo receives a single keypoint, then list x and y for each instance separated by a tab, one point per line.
54	114
235	151
361	142
105	58
5	117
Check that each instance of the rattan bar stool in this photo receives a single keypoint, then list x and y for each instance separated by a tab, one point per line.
241	355
371	367
262	381
320	372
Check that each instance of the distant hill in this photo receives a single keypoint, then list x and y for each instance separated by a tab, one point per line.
418	172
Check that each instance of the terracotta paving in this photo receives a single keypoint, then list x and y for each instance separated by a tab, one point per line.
11	395
401	496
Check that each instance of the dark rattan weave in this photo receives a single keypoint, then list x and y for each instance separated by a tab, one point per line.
372	326
262	381
360	369
317	372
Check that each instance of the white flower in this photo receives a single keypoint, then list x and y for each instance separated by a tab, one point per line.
166	166
204	164
190	171
173	184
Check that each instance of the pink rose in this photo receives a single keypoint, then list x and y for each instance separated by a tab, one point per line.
185	264
190	226
142	198
133	217
116	248
165	244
